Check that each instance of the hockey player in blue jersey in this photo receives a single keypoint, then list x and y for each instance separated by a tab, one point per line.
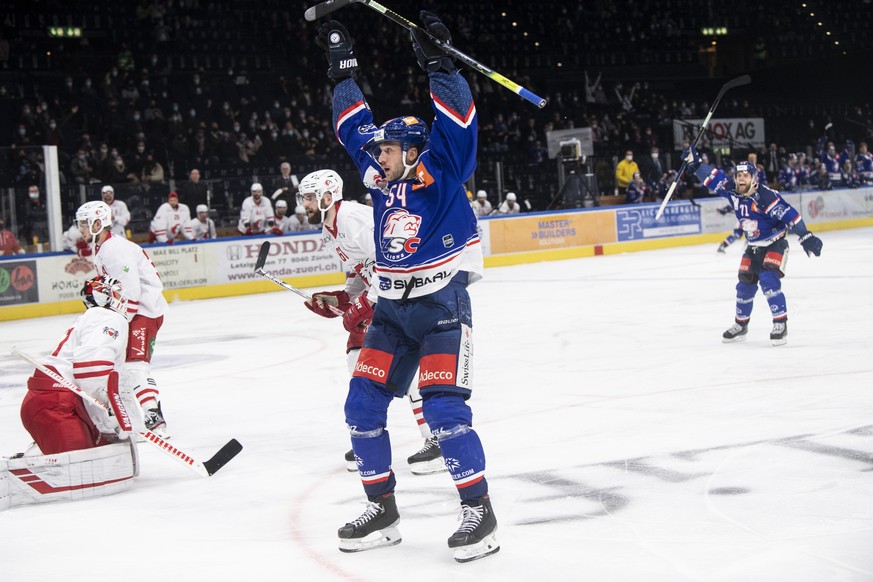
765	218
427	252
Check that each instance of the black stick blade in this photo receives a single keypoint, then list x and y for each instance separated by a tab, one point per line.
324	8
223	456
262	255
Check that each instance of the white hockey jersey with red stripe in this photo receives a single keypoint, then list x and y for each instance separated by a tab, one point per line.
352	240
91	349
128	262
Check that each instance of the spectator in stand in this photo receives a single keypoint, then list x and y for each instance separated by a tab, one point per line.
285	186
652	170
481	207
284	223
625	170
637	191
82	168
256	215
9	245
509	205
35	216
201	227
152	170
194	192
169	220
120	213
368	199
864	164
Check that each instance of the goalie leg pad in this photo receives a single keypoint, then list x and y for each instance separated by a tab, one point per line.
69	476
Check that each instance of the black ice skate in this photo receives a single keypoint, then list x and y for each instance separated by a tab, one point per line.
721	248
428	460
376	528
735	333
351	461
475	537
778	336
154	421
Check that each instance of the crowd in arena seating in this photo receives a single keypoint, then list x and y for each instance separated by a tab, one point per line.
205	99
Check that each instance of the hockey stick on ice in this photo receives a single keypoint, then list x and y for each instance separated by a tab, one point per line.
204	469
738	82
325	8
259	269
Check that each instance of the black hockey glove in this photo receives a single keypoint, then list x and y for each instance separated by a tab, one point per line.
430	57
811	244
334	39
726	210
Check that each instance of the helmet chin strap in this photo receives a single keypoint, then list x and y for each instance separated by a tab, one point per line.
409	167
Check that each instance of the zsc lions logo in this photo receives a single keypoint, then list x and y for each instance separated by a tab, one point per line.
399	234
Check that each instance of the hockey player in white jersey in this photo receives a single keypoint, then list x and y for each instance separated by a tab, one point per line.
120	212
77	451
256	215
348	230
201	227
169	220
126	261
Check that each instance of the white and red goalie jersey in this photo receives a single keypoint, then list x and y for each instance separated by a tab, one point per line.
127	261
168	222
352	240
91	349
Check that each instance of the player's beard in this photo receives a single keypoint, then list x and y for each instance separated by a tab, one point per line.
313	217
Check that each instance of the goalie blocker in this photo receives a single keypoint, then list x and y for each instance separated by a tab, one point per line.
68	476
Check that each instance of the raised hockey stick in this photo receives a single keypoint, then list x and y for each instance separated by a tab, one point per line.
738	82
259	269
325	8
204	469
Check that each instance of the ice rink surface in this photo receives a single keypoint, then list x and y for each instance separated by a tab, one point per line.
625	442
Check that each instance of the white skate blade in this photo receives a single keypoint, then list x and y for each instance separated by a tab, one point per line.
352	466
779	342
734	340
486	547
429	467
390	536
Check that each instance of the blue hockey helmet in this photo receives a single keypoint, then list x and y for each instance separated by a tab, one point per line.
410	131
747	167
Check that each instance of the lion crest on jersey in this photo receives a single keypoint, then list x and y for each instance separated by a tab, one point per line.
400	234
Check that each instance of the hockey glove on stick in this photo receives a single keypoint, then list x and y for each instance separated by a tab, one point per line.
431	57
811	244
360	312
334	39
320	301
692	158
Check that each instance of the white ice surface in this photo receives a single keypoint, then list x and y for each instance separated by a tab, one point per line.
625	442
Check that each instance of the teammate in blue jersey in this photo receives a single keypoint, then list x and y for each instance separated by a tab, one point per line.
427	252
765	218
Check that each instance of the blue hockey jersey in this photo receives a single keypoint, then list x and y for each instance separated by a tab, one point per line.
425	229
764	216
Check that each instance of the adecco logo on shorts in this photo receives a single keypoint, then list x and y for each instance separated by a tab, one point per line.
373	364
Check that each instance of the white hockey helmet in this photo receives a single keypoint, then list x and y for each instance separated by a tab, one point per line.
281	204
511	196
91	212
103	291
319	183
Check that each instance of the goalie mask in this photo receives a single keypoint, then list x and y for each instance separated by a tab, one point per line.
106	292
408	131
318	184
